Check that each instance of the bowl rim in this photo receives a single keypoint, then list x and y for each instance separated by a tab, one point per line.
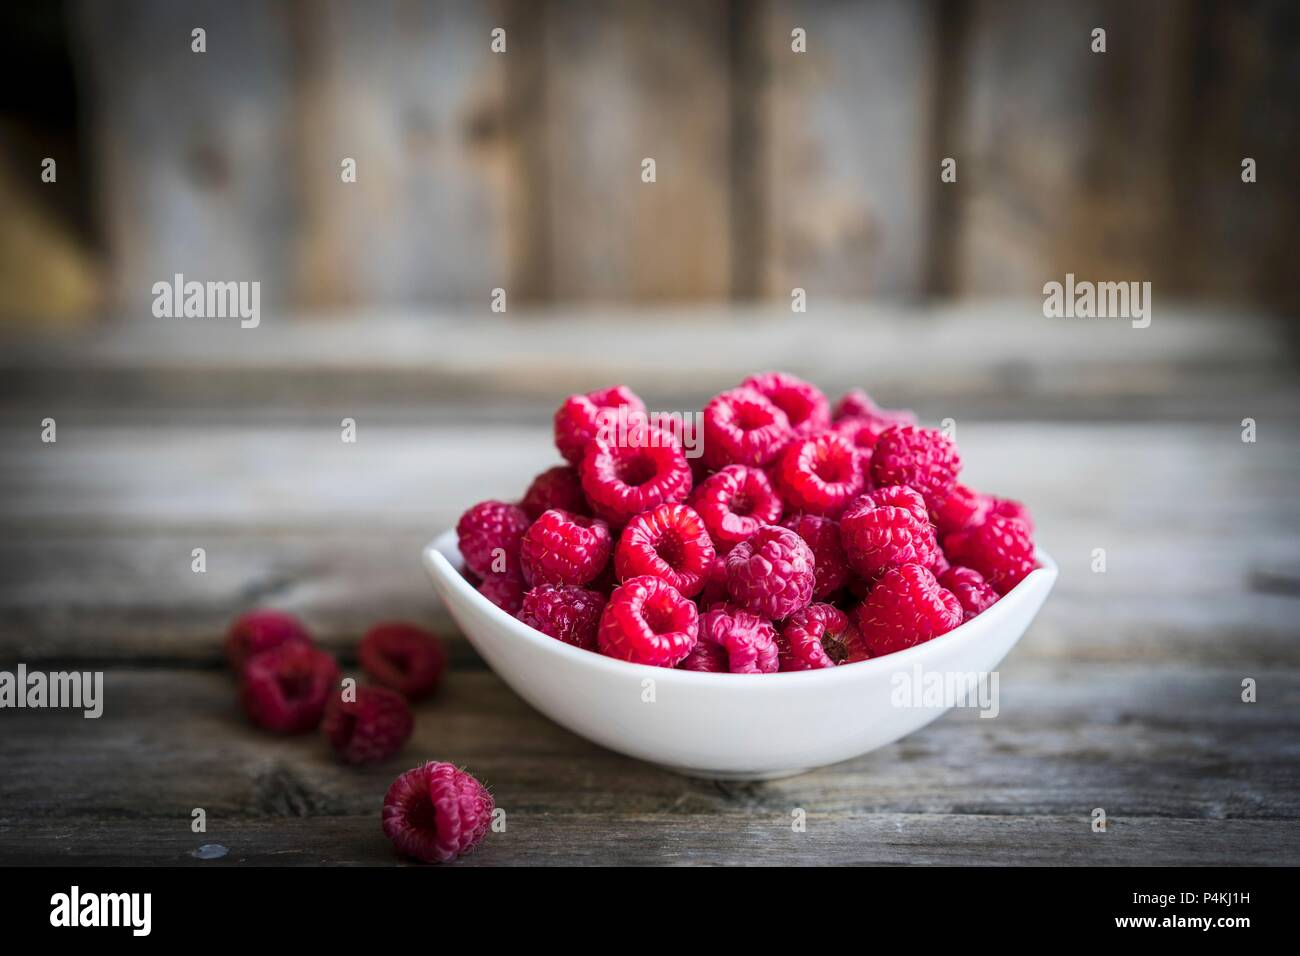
438	563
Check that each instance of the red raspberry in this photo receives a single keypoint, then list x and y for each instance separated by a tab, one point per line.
581	417
971	589
858	404
885	529
820	636
1008	508
404	657
258	631
621	481
741	427
1001	549
505	593
706	657
557	487
489	535
961	509
647	621
748	641
922	458
734	503
804	405
286	688
772	574
823	537
906	607
715	584
561	548
436	813
564	612
369	729
669	542
820	475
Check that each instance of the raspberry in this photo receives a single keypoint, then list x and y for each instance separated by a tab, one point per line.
805	407
971	589
822	535
670	542
561	548
286	688
564	612
258	631
369	729
741	427
706	657
960	509
505	593
436	813
715	584
906	607
820	475
748	641
923	458
999	548
885	529
1008	508
621	481
647	621
734	503
557	487
404	657
862	434
580	418
771	574
820	636
489	534
858	404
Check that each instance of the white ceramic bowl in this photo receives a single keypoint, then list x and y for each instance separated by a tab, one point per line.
735	726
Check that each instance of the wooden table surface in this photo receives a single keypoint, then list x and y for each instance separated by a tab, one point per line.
1125	694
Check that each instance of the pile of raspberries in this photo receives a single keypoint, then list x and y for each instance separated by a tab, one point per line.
803	537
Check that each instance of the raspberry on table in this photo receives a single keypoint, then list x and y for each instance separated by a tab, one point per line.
831	569
669	542
1001	549
580	418
734	503
505	592
436	812
818	636
558	487
856	403
961	508
565	612
286	688
805	407
820	475
369	729
260	630
563	548
621	481
747	641
905	608
404	657
489	535
741	427
887	528
921	458
647	621
974	593
772	573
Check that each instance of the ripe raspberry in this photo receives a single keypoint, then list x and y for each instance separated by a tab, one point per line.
820	636
669	542
286	688
820	475
971	589
741	427
804	405
823	536
960	509
772	574
734	503
564	612
999	548
489	535
436	813
858	404
647	621
706	657
561	548
369	729
906	607
258	631
715	584
621	481
862	434
404	657
580	418
1008	508
922	458
748	641
557	487
885	529
506	593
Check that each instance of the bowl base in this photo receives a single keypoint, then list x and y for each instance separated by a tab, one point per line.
735	774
